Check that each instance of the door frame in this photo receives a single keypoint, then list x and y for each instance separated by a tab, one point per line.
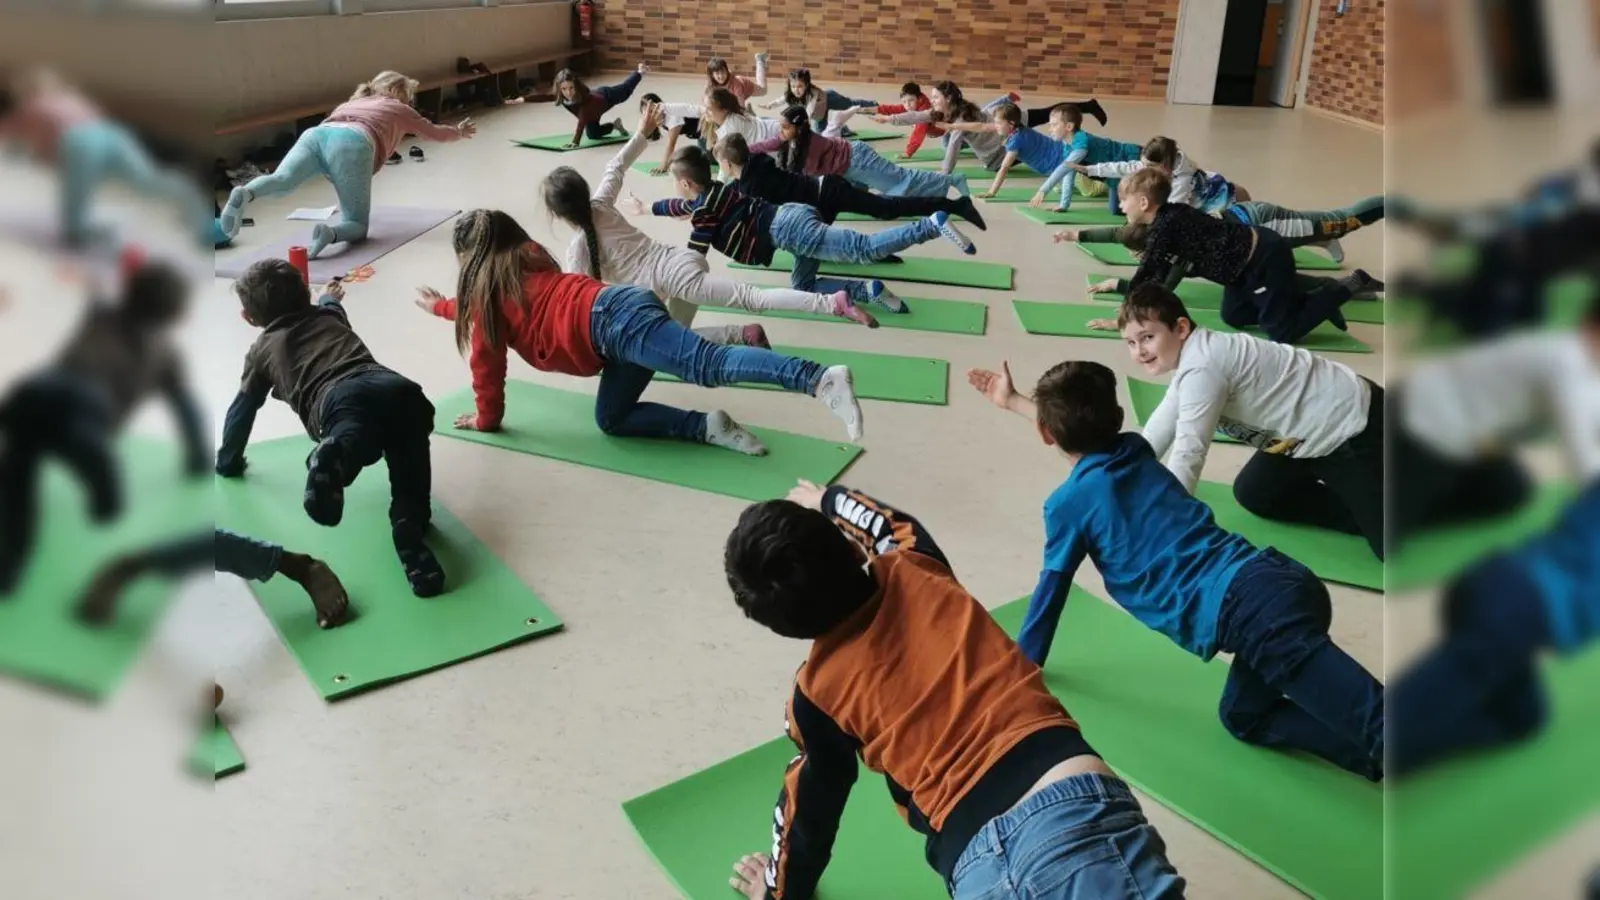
1298	33
1197	20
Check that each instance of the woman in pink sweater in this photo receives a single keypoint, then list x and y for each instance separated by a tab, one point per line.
348	148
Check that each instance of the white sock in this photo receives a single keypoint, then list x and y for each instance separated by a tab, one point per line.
723	431
232	216
837	390
321	236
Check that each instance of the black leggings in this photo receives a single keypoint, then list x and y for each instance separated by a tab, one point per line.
1429	490
838	196
383	415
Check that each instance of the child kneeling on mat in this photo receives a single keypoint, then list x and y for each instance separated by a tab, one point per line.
1165	560
513	296
909	672
1317	426
358	411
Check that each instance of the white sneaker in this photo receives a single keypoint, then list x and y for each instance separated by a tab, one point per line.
723	431
941	220
1334	248
837	389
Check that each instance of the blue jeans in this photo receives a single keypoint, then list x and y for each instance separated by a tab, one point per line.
873	172
636	339
1082	838
92	153
342	155
799	229
1290	686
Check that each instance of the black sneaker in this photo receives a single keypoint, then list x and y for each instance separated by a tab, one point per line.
416	153
324	495
422	568
394	159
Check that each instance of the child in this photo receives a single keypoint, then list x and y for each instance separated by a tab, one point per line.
799	91
1164	559
356	410
908	673
750	230
1051	155
1318	228
1206	191
226	552
513	296
1254	265
799	149
57	125
1480	688
1317	427
609	248
587	106
729	117
348	148
912	102
680	120
120	355
718	76
759	176
1460	415
949	105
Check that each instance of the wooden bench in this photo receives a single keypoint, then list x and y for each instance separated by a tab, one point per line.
430	96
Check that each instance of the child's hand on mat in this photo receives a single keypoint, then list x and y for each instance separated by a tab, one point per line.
1037	201
571	146
1101	324
989	194
806	494
1066	235
1108	286
750	876
467	422
994	385
466	128
634	205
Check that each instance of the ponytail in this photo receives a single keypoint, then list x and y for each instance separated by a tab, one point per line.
567	197
388	84
495	252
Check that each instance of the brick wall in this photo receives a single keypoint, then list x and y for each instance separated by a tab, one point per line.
1347	62
1108	47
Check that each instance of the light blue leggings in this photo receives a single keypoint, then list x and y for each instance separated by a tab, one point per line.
93	153
341	155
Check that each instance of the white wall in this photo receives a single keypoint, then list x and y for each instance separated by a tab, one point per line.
1197	51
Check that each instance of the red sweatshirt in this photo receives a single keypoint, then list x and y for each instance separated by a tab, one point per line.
549	330
922	131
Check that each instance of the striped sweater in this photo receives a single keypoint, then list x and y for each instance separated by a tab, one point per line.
738	225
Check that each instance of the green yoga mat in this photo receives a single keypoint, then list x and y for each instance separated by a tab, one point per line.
1072	320
976	172
956	272
1455	827
1197	293
215	754
871	135
1082	215
1331	556
1147	395
392	635
558	424
1022	193
943	316
557	143
1147	706
41	640
1117	255
1436	556
933	152
877	376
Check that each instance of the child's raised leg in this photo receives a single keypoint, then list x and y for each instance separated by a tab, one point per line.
302	163
870	170
347	158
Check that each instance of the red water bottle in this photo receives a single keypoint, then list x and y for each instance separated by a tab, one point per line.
299	259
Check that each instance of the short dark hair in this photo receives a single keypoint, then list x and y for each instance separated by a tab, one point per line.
1151	183
1078	406
723	99
156	292
1010	113
1163	151
271	289
1152	302
734	148
911	89
692	163
792	570
1069	114
648	99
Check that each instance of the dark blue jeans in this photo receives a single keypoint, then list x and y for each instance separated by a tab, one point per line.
1290	686
1271	295
636	339
614	95
384	415
1479	688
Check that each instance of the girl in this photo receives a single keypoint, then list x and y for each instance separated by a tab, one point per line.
609	248
802	150
799	91
511	295
680	120
750	230
729	117
719	76
587	106
1208	192
348	148
57	125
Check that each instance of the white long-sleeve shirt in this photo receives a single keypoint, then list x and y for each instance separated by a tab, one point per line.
1276	398
624	249
1186	177
1484	397
753	129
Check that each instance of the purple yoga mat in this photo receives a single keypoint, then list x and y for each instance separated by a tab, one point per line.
391	227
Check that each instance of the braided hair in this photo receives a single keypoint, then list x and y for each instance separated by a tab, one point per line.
495	253
792	156
567	197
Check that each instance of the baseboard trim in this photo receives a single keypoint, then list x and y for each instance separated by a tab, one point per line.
1345	118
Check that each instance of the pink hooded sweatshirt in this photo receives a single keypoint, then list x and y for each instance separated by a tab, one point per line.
386	121
39	120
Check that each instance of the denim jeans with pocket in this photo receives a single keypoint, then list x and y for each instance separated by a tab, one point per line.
1082	838
637	338
799	229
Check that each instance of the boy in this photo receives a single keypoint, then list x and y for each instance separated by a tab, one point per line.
909	672
679	119
1316	425
912	100
1254	265
1480	687
1191	185
120	355
357	410
1050	154
1164	560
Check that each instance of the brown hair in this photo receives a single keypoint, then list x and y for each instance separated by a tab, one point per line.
567	196
1010	113
1069	114
580	90
961	109
692	165
497	253
1152	302
1149	183
388	84
271	289
1078	407
734	149
723	99
1162	151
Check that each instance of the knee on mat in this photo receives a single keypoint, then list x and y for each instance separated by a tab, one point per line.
608	421
1263	502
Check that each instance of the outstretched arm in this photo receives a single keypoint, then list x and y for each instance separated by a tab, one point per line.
616	170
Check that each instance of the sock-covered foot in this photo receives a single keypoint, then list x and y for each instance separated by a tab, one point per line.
845	308
754	336
723	431
1362	285
837	390
762	57
879	293
327	593
1334	248
321	236
959	181
232	215
968	210
617	124
1093	108
941	221
324	494
423	571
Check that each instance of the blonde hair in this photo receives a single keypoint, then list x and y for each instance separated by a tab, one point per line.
388	84
495	253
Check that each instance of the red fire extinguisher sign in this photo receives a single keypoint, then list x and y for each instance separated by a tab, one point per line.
586	19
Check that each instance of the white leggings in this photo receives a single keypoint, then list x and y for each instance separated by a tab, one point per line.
685	275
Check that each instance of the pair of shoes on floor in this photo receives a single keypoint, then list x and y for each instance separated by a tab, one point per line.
395	158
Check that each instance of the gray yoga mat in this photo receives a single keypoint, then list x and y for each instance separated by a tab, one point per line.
391	228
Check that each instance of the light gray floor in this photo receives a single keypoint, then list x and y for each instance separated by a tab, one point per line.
502	778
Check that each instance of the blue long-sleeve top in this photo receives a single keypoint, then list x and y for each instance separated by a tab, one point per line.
1086	149
1159	550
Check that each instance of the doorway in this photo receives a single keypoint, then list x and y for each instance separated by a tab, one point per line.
1517	52
1263	42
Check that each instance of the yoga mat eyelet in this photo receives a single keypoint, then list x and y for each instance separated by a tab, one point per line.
532	621
340	679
